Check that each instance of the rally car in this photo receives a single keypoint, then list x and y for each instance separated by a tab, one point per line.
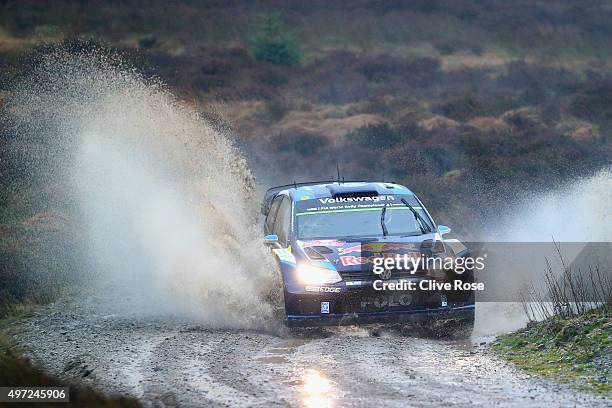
326	238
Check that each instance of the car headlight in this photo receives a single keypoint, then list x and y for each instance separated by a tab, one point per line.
315	275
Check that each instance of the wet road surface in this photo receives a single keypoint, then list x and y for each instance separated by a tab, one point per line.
167	361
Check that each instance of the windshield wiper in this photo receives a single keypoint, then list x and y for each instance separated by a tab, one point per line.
382	220
417	217
356	239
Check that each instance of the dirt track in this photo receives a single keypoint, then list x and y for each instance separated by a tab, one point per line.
167	361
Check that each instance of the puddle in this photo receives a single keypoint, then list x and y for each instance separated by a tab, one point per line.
273	359
286	346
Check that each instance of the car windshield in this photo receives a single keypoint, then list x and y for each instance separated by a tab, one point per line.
346	220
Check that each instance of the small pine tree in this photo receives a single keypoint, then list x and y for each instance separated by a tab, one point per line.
273	45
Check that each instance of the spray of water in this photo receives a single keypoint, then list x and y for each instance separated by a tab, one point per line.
579	212
168	202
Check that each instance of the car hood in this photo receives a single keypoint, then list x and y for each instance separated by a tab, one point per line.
358	255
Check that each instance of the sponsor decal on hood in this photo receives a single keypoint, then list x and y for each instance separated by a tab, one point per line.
375	199
321	242
378	247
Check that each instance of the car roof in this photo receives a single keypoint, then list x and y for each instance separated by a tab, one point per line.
328	190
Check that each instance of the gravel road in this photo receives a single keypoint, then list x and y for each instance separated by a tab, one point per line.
168	361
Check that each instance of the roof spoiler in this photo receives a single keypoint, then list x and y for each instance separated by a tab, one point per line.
339	190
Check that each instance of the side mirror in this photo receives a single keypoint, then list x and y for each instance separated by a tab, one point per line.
443	229
271	240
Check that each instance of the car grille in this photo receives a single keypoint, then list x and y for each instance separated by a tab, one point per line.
369	275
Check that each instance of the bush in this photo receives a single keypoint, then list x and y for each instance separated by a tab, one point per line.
463	109
375	136
300	141
272	76
452	46
273	45
147	42
383	68
569	291
276	109
594	104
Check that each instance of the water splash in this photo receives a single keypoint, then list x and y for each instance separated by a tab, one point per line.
579	212
168	202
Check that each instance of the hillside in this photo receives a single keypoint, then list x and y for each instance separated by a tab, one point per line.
454	98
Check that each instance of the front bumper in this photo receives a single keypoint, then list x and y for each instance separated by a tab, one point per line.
366	305
465	312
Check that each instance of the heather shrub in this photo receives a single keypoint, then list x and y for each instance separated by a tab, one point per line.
276	109
376	136
463	109
300	141
594	103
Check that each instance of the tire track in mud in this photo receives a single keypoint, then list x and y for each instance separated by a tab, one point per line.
167	361
182	364
134	370
403	371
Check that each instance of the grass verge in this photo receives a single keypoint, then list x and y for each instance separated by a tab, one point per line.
575	350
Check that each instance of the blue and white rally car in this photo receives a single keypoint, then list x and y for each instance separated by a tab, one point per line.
330	240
